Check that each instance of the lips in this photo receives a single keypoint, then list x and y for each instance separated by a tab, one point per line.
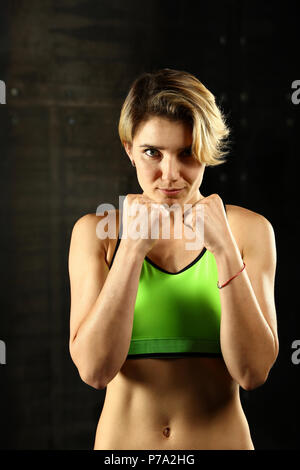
171	192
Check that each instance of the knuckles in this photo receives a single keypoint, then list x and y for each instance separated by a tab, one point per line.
214	196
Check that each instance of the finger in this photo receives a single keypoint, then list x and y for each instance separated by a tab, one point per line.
187	215
188	219
164	211
197	202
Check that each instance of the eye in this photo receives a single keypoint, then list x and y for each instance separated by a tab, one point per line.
151	150
187	153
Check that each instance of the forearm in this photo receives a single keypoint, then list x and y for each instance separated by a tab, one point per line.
247	341
103	339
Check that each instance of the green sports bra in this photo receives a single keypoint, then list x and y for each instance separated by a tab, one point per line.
176	314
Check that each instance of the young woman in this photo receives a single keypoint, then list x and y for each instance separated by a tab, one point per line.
171	332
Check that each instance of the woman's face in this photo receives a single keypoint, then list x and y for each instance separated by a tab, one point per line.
161	151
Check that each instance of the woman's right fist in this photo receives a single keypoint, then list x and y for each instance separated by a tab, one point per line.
142	220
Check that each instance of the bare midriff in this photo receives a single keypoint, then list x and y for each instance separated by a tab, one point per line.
186	403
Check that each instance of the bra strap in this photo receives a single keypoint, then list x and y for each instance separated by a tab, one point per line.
119	239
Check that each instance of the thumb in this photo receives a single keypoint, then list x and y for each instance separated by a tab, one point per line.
188	218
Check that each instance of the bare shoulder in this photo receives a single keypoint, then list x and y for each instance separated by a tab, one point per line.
89	231
248	226
242	215
99	232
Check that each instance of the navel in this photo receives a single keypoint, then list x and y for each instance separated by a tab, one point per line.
166	432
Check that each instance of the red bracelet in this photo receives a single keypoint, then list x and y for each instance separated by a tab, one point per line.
225	284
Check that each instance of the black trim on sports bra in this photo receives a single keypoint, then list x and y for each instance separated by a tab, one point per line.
183	269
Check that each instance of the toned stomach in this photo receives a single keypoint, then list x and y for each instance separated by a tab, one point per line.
186	403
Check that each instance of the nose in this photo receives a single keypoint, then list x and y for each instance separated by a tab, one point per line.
170	169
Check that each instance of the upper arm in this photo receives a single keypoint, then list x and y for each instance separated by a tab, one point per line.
87	269
259	254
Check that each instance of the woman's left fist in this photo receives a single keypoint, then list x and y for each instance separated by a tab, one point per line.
208	217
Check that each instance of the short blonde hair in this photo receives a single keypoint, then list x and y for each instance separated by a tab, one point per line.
178	96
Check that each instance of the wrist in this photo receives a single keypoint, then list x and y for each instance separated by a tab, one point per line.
229	250
133	246
229	262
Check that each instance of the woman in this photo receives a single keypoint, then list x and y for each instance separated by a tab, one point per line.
171	331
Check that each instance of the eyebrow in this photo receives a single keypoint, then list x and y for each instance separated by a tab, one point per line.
163	148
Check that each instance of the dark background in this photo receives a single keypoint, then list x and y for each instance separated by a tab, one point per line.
68	65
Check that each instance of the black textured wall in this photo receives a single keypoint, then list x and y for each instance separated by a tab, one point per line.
67	66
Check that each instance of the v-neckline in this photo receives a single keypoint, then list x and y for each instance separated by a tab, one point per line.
183	269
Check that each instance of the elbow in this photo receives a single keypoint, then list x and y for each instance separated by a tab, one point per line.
90	376
256	378
93	380
251	384
253	379
96	379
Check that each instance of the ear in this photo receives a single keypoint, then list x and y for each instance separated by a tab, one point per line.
128	148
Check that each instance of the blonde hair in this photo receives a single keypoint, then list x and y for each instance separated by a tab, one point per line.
178	96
